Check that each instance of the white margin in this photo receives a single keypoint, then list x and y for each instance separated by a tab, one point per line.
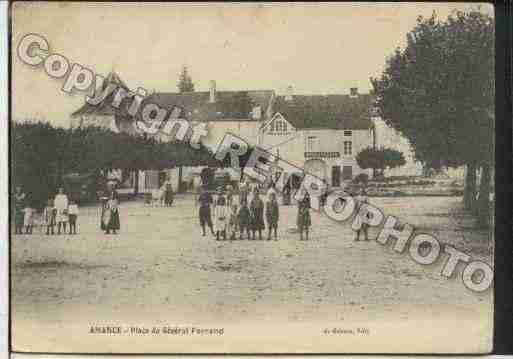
4	190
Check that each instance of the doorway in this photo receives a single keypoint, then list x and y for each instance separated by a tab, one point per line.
347	173
335	176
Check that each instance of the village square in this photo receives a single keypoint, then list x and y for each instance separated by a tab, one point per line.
127	211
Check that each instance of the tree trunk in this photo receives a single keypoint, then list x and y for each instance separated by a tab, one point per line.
180	187
483	203
469	191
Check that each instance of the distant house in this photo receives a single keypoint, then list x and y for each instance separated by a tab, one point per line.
104	114
238	112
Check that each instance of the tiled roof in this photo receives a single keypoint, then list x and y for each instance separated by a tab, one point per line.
235	105
326	111
303	111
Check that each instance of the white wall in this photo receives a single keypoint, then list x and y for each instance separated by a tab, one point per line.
388	137
293	145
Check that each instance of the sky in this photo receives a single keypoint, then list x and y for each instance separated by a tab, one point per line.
317	48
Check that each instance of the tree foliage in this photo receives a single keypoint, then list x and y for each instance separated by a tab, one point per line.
439	93
185	83
42	155
239	105
380	158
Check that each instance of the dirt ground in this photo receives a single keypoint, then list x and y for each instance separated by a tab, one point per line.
329	294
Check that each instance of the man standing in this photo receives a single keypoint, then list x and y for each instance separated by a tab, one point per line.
205	218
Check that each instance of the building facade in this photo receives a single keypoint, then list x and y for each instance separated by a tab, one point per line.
320	133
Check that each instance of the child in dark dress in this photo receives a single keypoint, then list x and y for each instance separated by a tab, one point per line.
18	220
272	214
303	218
244	215
256	215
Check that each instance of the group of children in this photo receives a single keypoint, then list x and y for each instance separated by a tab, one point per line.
232	219
58	212
53	216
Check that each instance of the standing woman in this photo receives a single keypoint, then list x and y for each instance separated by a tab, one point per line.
61	205
113	219
108	192
19	204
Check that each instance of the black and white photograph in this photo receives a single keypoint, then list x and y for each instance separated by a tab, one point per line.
252	177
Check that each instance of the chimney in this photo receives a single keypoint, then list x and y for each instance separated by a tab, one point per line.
290	92
353	92
212	91
257	112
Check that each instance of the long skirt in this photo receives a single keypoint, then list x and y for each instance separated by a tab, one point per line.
304	220
18	217
205	216
104	218
113	223
169	197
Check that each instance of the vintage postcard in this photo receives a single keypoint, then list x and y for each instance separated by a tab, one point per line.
251	177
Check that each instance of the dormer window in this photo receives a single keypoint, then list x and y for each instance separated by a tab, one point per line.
278	127
348	133
281	126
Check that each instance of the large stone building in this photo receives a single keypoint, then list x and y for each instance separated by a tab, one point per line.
321	134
